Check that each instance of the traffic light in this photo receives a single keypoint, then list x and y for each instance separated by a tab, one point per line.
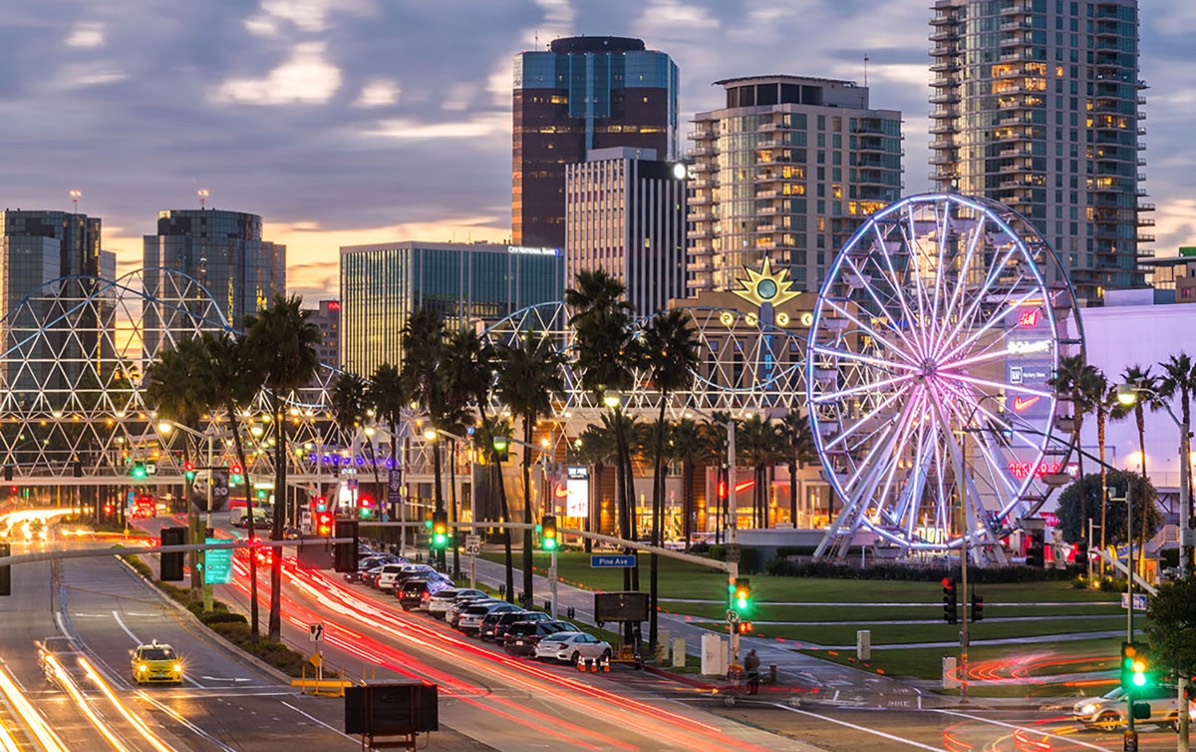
345	554
324	523
977	606
236	475
502	446
171	564
189	471
743	627
440	534
950	602
548	540
5	571
366	507
138	472
321	504
741	594
1136	670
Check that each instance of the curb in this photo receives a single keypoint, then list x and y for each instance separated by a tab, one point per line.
234	652
679	678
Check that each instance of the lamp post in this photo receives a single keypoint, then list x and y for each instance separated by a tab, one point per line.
165	427
1128	395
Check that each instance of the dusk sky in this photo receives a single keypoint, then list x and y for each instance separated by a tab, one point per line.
357	121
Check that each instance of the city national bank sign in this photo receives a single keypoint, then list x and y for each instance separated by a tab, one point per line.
527	250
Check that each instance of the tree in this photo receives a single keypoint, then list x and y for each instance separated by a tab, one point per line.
233	382
386	393
799	450
715	432
1147	384
1108	407
596	447
174	387
1147	517
671	355
349	403
758	441
529	380
1076	380
423	347
1171	626
686	444
281	344
1179	379
607	357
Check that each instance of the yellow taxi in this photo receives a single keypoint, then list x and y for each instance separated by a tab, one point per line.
154	663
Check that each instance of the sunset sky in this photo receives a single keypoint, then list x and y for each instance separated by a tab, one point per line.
354	121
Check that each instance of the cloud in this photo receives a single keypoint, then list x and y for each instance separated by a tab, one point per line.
378	93
305	78
411	129
87	34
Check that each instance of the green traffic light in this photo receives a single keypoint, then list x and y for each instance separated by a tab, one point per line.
1139	680
439	540
548	544
190	475
741	603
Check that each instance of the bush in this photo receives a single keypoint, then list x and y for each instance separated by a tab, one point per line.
222	617
1112	585
747	557
908	573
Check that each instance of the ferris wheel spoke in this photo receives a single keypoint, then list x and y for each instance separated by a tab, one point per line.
939	319
914	407
872	332
880	447
984	357
895	281
978	298
996	318
961	280
965	417
866	418
915	254
871	289
861	358
998	385
910	498
832	396
978	409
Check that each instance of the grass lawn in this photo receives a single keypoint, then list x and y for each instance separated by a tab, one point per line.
803	613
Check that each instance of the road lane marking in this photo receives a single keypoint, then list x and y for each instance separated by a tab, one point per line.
982	719
874	732
138	641
181	719
325	725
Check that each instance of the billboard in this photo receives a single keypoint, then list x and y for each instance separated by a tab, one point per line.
577	490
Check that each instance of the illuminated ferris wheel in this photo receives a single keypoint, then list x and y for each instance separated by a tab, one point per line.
934	341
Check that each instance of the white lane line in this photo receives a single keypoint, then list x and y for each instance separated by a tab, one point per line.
874	732
181	719
325	725
1071	739
138	641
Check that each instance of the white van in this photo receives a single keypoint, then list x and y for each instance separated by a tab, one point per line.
386	581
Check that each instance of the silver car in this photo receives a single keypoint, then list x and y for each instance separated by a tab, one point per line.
471	618
1109	710
462	602
572	646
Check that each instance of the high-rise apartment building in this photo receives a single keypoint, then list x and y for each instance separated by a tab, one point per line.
36	248
327	318
223	251
1035	104
625	213
382	284
584	93
789	169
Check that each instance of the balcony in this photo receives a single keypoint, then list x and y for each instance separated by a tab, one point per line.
1147	239
945	66
703	151
944	35
1145	222
951	97
1145	208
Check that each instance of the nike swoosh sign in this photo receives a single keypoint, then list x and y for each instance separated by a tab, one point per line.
1021	403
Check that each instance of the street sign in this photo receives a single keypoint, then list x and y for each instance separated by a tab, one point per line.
473	544
622	560
394	487
315	632
732	617
1139	601
472	550
218	569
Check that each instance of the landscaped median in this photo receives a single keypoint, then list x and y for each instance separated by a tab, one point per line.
1037	637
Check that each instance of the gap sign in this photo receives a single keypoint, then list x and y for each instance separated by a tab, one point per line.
624	560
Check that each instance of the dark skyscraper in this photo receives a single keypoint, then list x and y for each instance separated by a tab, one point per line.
585	93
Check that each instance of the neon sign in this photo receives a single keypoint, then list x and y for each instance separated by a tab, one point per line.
1021	470
1027	319
1024	347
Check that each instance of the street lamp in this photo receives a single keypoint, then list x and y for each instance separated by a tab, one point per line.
1128	395
612	399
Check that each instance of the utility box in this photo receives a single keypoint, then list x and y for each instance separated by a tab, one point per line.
950	676
663	644
714	655
679	652
863	644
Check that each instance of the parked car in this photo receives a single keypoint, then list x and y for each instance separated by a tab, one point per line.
462	595
390	572
370	561
492	620
453	615
407	572
439	602
1109	710
572	646
413	593
471	618
523	636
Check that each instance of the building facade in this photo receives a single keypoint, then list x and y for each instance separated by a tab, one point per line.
583	93
381	285
327	318
625	213
222	250
788	170
1036	104
36	248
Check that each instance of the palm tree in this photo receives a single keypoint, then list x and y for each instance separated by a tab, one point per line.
233	383
1076	380
671	355
596	447
348	402
281	343
1107	407
529	380
799	450
686	443
759	440
1179	378
174	387
423	347
1147	385
607	358
493	427
386	394
715	431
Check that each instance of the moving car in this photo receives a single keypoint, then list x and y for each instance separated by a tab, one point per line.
1109	710
523	636
471	618
156	663
572	646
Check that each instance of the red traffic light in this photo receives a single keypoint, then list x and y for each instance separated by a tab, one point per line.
235	469
324	524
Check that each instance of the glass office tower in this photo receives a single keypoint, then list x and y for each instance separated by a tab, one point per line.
381	285
584	93
1036	104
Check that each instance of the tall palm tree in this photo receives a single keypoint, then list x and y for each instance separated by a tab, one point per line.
1179	379
715	431
386	393
1075	380
607	357
686	444
174	387
596	447
423	347
350	403
1147	383
529	380
799	450
759	440
233	382
671	355
492	427
1107	407
281	343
